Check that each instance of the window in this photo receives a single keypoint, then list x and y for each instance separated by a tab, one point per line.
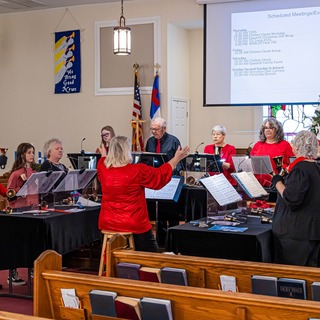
294	118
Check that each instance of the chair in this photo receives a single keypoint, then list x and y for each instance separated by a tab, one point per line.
107	234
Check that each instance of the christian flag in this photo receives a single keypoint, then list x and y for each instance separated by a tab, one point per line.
155	98
67	62
137	132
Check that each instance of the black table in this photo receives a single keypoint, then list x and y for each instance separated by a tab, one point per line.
23	237
254	244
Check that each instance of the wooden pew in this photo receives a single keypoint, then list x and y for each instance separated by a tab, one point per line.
205	272
188	303
4	315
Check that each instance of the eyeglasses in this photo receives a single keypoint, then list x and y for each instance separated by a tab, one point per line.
268	128
105	135
155	129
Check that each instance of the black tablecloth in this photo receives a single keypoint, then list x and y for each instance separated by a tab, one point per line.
254	244
192	204
25	236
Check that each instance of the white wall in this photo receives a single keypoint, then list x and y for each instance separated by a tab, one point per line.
31	112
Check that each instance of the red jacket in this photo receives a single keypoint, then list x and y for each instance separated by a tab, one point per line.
123	206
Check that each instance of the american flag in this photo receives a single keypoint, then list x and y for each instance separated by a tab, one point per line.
137	134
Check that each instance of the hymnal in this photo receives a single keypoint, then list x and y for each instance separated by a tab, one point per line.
128	270
249	184
221	189
228	283
292	288
315	291
174	276
150	274
264	285
128	308
156	309
103	302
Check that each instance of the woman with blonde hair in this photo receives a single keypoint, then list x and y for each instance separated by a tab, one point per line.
123	205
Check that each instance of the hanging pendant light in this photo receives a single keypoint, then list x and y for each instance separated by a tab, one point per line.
122	37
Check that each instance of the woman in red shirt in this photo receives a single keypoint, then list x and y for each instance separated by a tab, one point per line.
225	150
272	144
123	206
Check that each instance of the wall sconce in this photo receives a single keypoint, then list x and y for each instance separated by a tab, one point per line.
122	37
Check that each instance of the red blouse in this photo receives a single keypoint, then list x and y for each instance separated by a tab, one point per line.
16	182
282	148
124	206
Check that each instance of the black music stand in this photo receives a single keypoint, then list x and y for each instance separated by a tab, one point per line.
150	158
170	192
204	162
84	160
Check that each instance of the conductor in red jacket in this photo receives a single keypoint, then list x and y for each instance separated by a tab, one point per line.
123	206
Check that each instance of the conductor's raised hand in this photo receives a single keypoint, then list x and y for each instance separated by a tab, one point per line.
180	154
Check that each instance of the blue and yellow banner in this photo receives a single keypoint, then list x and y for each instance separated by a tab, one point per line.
67	62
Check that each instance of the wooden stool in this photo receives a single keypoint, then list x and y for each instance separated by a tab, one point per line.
106	236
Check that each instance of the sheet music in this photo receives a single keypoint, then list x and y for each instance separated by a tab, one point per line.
221	189
250	184
166	193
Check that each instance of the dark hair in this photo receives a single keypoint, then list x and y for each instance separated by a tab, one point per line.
112	133
20	161
273	122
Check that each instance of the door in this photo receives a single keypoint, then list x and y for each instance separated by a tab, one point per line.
180	120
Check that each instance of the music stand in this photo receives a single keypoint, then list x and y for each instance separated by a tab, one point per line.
171	191
76	180
84	160
261	164
150	158
40	183
242	163
204	162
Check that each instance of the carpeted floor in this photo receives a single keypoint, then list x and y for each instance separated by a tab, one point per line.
17	305
82	261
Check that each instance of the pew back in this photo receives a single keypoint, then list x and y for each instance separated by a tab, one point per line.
188	303
205	272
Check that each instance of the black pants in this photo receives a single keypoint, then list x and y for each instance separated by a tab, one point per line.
296	252
145	242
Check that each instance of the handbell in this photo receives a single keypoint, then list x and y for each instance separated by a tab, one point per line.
217	150
279	163
11	193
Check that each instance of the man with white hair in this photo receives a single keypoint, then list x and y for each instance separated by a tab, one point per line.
163	142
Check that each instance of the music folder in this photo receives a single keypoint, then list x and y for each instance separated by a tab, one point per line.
76	180
40	183
171	191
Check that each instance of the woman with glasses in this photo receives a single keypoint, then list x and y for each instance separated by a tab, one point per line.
224	150
272	144
107	133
